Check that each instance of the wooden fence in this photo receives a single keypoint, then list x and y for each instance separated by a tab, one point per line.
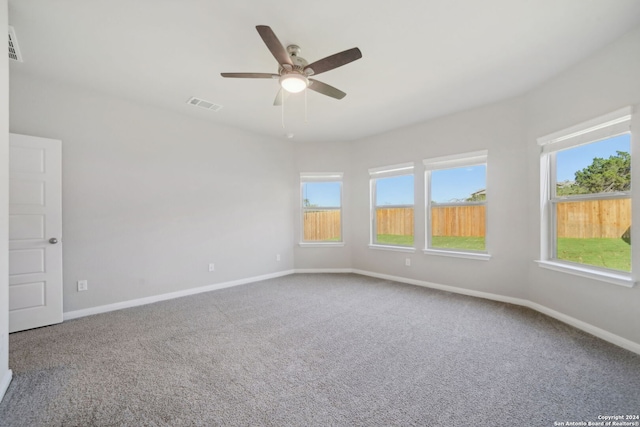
594	218
467	221
321	225
446	221
396	221
584	219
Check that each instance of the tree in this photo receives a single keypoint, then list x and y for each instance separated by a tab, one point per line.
569	188
601	176
477	197
606	175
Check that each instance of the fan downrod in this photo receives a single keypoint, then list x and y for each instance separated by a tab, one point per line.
298	62
293	50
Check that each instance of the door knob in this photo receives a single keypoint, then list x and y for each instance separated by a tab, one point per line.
53	240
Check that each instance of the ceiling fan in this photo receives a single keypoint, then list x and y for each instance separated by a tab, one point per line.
294	71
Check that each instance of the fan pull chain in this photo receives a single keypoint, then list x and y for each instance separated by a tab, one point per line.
282	103
305	106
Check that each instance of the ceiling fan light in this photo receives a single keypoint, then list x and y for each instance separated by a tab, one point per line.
294	83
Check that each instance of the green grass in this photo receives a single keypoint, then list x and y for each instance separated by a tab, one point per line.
607	253
454	242
468	243
394	239
445	242
330	239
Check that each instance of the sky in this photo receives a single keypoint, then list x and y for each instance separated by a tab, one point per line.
395	190
569	161
322	194
447	185
459	183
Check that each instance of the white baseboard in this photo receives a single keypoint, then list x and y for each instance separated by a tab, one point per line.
587	327
4	383
584	326
591	329
453	289
323	270
171	295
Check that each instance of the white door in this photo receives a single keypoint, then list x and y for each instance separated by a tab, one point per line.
35	232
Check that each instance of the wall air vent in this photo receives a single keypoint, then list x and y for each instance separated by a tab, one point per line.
14	50
204	104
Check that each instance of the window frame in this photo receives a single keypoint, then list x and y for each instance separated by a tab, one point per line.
321	177
475	158
598	129
388	172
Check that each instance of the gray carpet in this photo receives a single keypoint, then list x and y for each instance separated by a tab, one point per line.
325	349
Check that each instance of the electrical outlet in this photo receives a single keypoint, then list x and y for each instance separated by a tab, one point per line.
83	285
212	267
407	262
277	257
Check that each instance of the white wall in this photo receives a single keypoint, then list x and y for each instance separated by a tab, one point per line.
603	83
5	373
151	197
497	128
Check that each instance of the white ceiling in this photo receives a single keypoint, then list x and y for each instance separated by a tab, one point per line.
421	59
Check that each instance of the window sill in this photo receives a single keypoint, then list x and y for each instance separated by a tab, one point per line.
321	244
457	254
392	248
619	279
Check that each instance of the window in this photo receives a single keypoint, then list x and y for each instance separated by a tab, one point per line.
586	198
392	206
456	198
321	199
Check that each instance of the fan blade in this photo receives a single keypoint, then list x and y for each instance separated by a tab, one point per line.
334	61
325	89
282	94
250	75
277	50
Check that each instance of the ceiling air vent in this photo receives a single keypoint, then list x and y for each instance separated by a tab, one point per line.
14	50
204	104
